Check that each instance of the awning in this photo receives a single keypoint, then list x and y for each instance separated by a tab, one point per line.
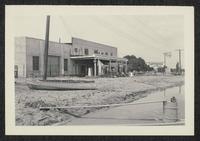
107	58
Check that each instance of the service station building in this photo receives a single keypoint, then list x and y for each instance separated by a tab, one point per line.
79	58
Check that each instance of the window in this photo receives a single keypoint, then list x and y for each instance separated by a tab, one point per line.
35	62
106	53
65	64
111	54
86	51
102	53
95	51
76	49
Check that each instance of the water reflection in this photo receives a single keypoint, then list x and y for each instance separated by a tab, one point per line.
167	94
142	113
179	90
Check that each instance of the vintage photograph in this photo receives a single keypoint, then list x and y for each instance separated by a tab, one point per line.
99	69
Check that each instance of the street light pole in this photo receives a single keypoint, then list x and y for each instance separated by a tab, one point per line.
166	54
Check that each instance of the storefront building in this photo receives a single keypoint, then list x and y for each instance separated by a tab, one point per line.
79	58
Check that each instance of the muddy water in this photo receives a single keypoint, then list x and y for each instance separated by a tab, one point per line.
136	114
177	92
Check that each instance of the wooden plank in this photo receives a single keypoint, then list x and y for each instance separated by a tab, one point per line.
96	106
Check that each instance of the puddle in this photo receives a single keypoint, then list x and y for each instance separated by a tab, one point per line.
177	92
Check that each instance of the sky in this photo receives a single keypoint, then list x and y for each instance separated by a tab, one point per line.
146	36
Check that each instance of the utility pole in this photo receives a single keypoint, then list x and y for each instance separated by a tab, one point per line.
179	52
164	64
59	40
46	48
166	54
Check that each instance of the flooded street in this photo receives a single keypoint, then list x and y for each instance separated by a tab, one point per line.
110	91
136	114
100	70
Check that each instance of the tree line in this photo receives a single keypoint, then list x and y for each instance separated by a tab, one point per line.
137	64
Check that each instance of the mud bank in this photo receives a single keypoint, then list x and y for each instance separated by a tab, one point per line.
110	91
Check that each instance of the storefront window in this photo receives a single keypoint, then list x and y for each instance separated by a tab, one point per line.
35	62
86	51
65	64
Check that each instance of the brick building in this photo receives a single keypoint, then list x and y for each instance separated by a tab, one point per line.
79	58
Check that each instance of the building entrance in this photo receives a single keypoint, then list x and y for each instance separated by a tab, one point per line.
53	66
83	70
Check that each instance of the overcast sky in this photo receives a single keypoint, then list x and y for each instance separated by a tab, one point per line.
146	36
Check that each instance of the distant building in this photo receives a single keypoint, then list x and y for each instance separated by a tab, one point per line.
79	58
155	65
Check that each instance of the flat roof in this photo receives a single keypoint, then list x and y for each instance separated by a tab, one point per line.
44	40
75	38
84	40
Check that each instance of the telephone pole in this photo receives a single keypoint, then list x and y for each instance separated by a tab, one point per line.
179	52
46	48
164	63
166	54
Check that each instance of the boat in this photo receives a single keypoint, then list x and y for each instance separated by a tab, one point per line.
60	85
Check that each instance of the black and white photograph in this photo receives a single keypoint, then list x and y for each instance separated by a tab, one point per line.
75	70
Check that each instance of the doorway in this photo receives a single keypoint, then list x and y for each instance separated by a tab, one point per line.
53	66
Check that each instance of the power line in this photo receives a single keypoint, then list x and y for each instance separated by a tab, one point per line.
150	29
109	27
126	35
152	38
65	26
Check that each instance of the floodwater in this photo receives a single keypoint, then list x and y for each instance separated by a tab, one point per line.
136	114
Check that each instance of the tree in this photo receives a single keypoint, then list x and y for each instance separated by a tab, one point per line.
137	64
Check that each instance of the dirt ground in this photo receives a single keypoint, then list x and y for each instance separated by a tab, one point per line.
110	91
